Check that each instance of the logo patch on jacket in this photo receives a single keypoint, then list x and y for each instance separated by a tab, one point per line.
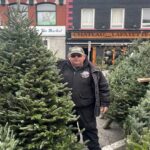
85	74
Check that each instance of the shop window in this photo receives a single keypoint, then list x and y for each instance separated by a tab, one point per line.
46	14
117	18
22	8
145	18
87	18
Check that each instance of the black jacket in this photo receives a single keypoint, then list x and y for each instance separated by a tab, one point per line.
101	89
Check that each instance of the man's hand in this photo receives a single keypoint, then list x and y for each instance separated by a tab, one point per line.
103	109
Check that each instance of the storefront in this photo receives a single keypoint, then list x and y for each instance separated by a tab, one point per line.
54	38
108	44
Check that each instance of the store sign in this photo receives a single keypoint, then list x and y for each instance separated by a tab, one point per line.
51	30
111	35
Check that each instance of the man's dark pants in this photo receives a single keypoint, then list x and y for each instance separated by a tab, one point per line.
87	122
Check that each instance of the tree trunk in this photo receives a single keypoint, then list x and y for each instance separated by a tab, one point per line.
107	124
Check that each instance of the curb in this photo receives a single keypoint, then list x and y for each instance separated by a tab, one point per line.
115	145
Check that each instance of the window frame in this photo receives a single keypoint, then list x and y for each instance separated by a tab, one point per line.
46	11
92	26
142	24
23	10
122	24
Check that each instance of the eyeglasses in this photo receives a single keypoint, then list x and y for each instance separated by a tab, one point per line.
76	55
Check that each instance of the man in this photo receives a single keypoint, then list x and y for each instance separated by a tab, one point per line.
89	92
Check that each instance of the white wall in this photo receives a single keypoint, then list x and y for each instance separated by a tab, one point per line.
57	45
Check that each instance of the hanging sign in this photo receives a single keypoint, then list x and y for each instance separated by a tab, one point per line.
110	34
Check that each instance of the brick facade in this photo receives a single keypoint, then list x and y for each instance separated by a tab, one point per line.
60	11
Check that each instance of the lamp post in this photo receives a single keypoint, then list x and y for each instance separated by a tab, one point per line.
89	49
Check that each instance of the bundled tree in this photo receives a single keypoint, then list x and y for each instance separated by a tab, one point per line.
125	90
33	100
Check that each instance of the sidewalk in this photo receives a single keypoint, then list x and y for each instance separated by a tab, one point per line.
113	138
110	139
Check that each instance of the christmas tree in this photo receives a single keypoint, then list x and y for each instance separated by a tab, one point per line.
33	100
137	125
126	91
